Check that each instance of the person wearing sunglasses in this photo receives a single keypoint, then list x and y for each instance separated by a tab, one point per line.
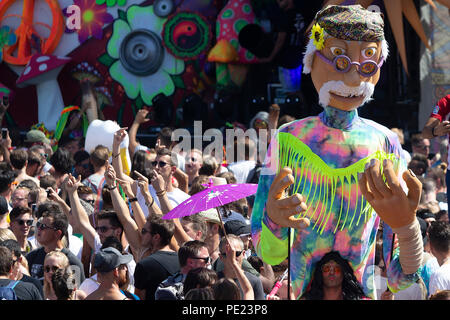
165	165
232	255
193	254
334	279
51	227
21	222
82	165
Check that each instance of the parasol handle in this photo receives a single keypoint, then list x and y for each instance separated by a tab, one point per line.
222	225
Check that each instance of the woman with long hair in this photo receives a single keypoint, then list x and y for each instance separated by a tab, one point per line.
334	279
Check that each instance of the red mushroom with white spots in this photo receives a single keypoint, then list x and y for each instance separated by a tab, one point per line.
42	71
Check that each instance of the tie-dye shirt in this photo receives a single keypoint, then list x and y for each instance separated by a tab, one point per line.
326	153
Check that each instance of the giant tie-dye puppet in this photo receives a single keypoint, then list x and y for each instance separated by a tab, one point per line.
326	152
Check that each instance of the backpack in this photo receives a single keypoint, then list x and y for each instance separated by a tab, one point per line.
8	293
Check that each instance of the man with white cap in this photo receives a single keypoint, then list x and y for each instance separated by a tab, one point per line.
111	267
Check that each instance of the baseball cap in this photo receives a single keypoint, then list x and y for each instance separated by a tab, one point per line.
3	206
108	259
237	228
36	136
210	215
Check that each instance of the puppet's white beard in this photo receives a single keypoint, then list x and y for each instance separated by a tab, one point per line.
365	88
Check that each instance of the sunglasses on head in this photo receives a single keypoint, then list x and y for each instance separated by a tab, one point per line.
205	259
43	226
27	222
161	164
52	268
238	253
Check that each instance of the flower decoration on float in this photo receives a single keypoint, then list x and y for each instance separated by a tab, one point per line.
137	58
317	36
94	17
7	38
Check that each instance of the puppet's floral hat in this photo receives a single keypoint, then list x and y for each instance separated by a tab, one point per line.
351	23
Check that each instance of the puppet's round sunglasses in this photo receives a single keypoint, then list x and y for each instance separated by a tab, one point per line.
342	64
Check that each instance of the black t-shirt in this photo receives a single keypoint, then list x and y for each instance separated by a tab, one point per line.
36	264
154	269
23	290
256	283
33	281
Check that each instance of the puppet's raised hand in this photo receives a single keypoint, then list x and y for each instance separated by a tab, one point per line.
282	209
389	200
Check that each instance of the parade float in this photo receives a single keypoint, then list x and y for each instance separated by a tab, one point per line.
152	53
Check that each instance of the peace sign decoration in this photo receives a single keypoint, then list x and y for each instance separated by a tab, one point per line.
26	32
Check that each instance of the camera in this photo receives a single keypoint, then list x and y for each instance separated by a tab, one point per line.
4	133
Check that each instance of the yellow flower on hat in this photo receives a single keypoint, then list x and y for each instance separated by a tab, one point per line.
317	36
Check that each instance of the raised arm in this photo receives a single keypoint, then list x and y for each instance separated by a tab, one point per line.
183	180
158	184
119	136
6	145
53	195
243	281
138	120
132	232
153	208
435	128
78	212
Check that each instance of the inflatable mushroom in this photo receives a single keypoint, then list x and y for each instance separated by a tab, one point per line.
42	71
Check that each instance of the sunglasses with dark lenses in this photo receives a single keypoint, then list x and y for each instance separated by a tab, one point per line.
43	226
102	229
238	253
27	222
205	259
52	268
327	269
161	164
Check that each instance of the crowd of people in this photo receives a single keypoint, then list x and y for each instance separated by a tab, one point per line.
75	226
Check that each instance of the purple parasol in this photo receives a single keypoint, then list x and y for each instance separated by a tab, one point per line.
212	197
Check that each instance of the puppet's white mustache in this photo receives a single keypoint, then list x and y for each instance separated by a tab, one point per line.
365	89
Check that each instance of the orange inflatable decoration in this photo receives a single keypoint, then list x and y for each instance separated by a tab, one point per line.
26	30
